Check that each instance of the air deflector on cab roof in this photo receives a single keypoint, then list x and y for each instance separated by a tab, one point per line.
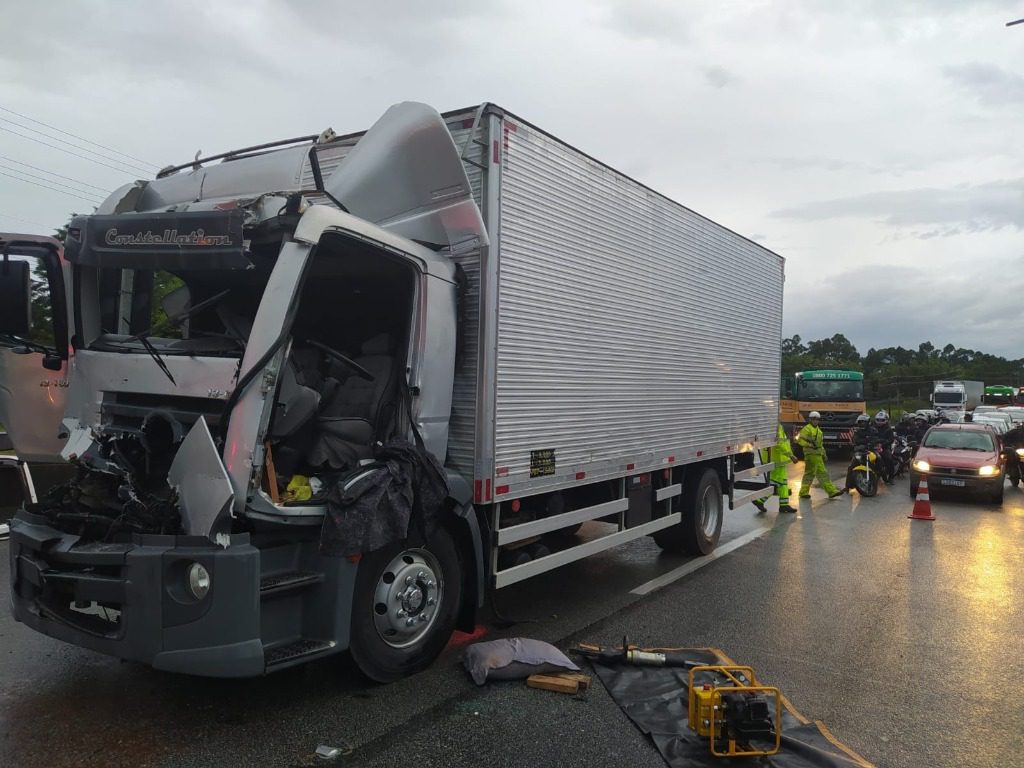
405	174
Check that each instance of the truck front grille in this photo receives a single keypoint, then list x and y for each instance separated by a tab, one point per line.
123	412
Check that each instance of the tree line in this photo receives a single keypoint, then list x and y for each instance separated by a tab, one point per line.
893	372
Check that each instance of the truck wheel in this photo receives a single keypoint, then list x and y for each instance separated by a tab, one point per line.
697	533
405	606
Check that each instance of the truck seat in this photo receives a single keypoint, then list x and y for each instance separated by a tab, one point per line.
354	411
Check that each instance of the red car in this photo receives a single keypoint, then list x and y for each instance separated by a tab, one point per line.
960	456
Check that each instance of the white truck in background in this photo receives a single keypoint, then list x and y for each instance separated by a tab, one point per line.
957	395
573	347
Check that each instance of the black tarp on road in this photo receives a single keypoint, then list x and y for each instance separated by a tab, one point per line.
656	700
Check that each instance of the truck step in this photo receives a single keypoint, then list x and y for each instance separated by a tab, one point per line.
293	652
277	583
751	485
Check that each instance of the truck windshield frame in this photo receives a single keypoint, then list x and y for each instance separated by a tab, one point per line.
949	397
115	305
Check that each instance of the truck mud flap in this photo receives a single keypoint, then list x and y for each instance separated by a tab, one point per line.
655	699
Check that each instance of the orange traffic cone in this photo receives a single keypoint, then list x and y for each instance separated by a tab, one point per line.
922	505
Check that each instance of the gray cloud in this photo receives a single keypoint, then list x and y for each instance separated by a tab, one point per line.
889	306
989	84
951	210
719	77
664	21
890	166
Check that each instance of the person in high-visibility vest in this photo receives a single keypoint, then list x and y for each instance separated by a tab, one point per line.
812	440
779	454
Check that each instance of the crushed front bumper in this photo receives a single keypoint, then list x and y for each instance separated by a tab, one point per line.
131	600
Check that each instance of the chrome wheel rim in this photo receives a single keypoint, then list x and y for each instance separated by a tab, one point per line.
407	598
710	512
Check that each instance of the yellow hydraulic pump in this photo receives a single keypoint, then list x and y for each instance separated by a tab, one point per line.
731	710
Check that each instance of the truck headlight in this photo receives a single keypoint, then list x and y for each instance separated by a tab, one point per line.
988	470
1020	452
198	580
921	465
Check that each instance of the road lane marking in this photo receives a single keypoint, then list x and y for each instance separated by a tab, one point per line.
697	563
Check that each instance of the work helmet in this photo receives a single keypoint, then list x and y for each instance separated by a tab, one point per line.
813	415
862	420
921	418
906	418
881	417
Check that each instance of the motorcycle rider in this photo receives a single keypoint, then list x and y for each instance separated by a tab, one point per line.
779	454
812	440
921	425
864	432
864	436
906	426
885	437
1012	440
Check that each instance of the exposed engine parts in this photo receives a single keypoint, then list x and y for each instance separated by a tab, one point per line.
120	486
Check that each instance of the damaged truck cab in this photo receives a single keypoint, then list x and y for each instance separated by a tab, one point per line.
220	344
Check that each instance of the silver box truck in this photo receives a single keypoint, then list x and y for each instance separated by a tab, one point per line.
957	395
241	337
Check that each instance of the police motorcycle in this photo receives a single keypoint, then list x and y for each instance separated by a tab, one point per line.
865	470
902	453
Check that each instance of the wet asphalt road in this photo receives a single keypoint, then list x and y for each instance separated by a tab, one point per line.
904	637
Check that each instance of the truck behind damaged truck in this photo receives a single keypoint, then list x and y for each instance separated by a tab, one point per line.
325	393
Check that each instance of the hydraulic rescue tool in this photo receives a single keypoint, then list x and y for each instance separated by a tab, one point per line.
726	704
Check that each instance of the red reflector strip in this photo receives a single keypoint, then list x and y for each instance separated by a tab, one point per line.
580	475
700	453
630	466
502	472
516	503
467	123
501	490
496	155
487	490
477	494
671	459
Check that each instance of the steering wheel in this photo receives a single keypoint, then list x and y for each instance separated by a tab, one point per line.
348	362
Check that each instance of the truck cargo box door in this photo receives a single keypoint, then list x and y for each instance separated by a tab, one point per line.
406	176
33	345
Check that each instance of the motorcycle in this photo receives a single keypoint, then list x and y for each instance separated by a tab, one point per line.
864	471
902	453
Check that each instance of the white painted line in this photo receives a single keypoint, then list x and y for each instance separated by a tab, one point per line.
698	562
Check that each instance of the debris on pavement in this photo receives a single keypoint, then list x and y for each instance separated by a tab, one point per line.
328	752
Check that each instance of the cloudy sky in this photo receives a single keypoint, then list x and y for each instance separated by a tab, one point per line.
876	145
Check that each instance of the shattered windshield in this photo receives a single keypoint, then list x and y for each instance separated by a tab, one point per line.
173	310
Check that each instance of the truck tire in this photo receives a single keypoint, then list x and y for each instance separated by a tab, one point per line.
405	607
702	507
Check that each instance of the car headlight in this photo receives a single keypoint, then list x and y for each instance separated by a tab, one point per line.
921	465
1020	452
988	470
198	580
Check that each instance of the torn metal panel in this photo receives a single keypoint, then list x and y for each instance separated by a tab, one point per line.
204	489
406	175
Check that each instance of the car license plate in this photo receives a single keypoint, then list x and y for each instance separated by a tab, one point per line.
953	481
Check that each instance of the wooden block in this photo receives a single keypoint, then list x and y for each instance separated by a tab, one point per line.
564	682
270	475
582	680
